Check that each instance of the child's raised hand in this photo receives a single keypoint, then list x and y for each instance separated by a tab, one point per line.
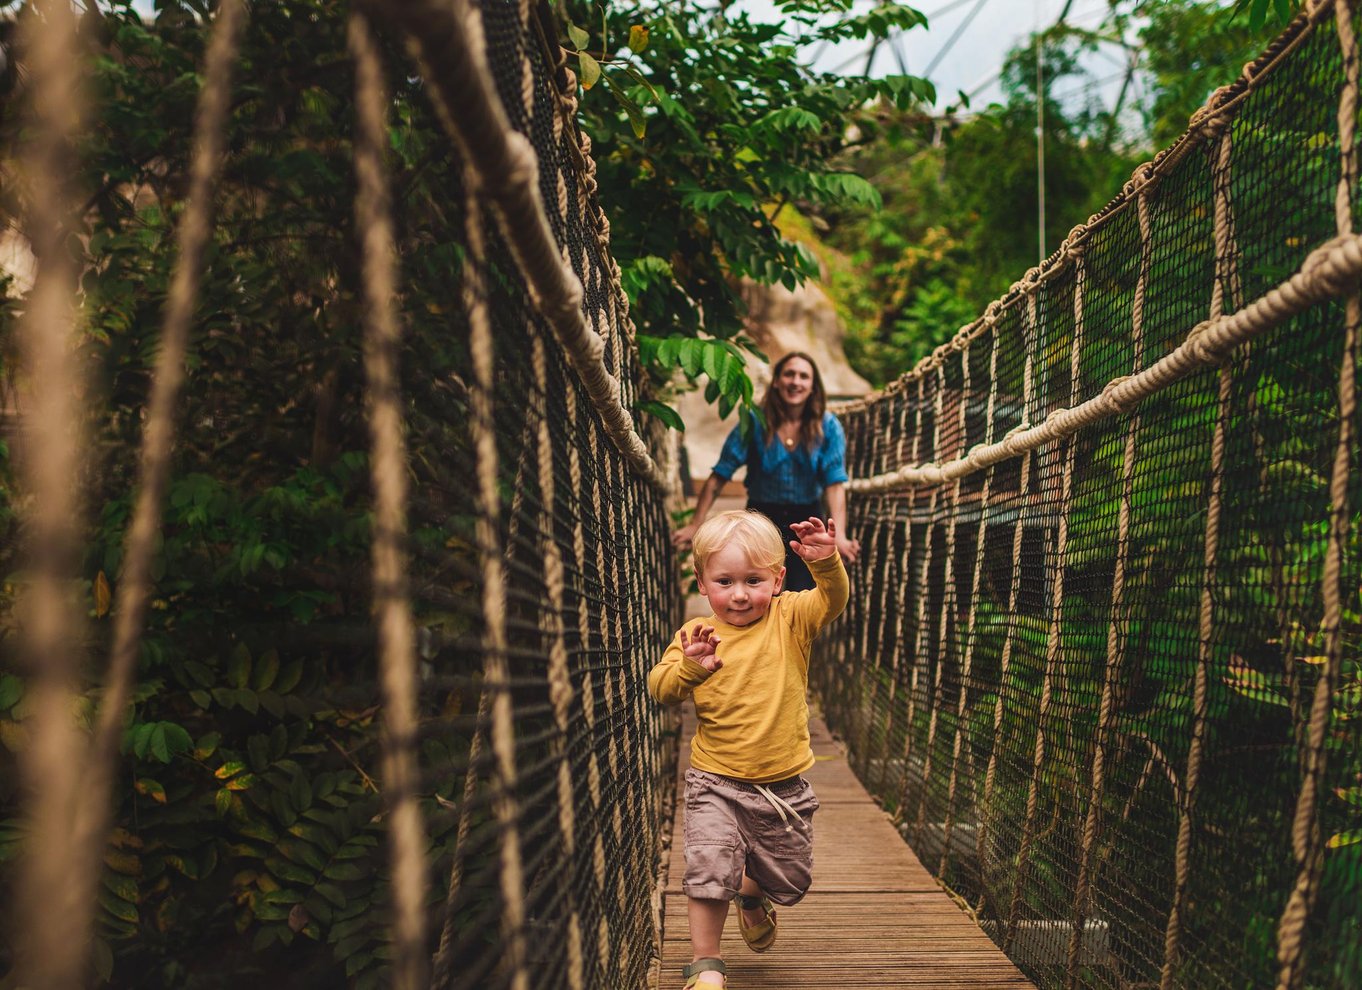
701	646
816	541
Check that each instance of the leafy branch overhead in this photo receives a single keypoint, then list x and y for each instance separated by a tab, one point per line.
713	122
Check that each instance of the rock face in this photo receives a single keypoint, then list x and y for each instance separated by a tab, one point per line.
779	321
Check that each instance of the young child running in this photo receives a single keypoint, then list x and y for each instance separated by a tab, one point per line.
749	813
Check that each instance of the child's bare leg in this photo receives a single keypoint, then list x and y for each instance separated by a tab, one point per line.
707	919
749	888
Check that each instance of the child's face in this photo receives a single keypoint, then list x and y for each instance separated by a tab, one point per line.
738	590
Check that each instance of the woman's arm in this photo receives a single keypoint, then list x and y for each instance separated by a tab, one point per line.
837	509
709	491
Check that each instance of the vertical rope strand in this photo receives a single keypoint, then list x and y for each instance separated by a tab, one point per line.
1054	641
904	580
948	602
496	674
560	683
1305	830
56	880
1030	342
1225	249
392	609
924	570
1115	645
967	665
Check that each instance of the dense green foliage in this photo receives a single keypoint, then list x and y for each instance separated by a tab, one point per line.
248	839
712	123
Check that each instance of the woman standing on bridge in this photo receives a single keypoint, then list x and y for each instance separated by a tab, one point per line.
801	460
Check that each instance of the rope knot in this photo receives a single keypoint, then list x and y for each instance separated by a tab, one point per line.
1010	441
1030	280
1109	393
976	458
1207	118
1073	244
1204	348
1333	267
1141	177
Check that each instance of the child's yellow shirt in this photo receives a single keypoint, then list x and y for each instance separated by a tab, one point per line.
753	713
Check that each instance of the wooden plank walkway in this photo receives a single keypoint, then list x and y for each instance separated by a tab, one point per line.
875	918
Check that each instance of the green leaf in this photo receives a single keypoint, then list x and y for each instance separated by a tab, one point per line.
159	746
637	120
300	792
638	38
580	39
692	357
239	666
1348	838
266	670
207	745
229	769
710	357
289	677
665	413
590	69
11	690
258	750
201	698
332	893
293	872
223	801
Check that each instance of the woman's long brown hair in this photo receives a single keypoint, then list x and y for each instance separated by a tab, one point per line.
775	410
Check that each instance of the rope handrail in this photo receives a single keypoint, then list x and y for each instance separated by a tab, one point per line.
1328	273
1205	124
1115	701
505	166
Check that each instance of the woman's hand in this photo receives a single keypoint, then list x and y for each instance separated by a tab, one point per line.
702	646
849	549
682	537
816	541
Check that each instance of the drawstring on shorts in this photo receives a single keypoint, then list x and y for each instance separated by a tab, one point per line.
783	807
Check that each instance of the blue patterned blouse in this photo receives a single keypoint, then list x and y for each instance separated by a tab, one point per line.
789	477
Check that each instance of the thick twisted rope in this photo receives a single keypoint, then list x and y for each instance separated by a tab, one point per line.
967	665
1305	830
388	474
56	875
1225	251
496	675
453	56
901	586
134	589
924	569
1328	272
1205	124
1115	645
1054	644
948	606
1031	345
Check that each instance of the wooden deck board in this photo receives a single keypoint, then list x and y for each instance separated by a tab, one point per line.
875	917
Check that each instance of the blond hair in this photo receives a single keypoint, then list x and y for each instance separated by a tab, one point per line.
751	530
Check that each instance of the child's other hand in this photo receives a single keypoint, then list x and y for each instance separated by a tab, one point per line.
701	646
816	541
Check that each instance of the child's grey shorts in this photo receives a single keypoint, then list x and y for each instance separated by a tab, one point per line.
731	825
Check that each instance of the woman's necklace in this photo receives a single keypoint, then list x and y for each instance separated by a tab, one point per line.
789	441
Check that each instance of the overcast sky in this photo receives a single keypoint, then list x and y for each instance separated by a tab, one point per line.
988	29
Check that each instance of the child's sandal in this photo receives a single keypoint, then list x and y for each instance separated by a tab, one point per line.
706	965
762	935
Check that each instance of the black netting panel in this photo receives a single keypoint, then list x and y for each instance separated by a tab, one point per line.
986	630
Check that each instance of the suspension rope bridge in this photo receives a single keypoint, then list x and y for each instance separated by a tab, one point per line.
1100	667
